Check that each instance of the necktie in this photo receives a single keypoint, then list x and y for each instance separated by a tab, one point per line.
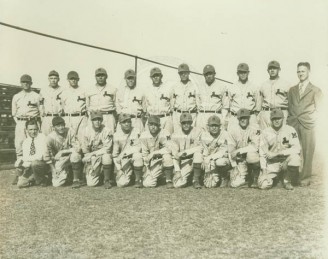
301	89
32	148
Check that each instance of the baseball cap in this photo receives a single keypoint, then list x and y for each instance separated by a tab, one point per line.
96	114
26	78
276	113
124	117
72	74
243	67
185	117
214	120
129	73
57	120
243	113
274	63
183	68
100	71
154	119
53	73
208	69
154	71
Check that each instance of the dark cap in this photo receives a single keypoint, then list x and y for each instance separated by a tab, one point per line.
274	63
243	67
100	71
129	73
57	120
26	78
155	71
243	113
208	69
96	114
72	74
183	68
124	117
154	119
53	73
214	120
276	114
185	117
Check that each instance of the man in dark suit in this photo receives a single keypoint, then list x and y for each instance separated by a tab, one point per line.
303	105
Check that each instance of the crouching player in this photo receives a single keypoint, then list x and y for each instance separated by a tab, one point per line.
33	168
187	153
63	154
215	152
127	153
97	146
243	146
279	153
156	154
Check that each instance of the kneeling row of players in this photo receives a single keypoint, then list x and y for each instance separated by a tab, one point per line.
243	156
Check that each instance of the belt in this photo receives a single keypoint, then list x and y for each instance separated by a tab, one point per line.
27	119
161	115
269	109
108	112
180	111
52	114
209	111
75	114
235	114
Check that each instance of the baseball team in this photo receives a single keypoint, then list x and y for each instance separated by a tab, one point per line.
208	135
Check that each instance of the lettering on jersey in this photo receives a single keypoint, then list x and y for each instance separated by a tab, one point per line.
285	141
58	96
164	98
249	95
249	140
136	100
216	95
175	95
131	142
107	94
294	135
30	104
168	137
258	132
278	92
80	99
191	95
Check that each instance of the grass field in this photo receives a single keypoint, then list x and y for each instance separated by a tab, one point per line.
159	223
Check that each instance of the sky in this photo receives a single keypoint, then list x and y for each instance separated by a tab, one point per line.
222	33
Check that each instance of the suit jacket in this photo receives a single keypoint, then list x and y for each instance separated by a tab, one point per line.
303	110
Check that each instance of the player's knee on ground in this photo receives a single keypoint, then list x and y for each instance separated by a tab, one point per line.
198	158
149	181
75	157
265	181
123	180
294	160
167	160
137	160
211	180
252	157
106	159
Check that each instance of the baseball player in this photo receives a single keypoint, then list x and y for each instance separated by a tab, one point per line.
213	98
102	97
96	147
273	94
25	106
243	146
130	100
158	98
185	97
156	154
63	154
73	105
51	102
243	94
187	152
215	152
127	153
33	169
279	153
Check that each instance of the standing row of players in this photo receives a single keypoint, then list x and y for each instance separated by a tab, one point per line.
73	104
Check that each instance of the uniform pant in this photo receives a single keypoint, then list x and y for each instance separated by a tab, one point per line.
233	121
212	171
265	121
123	177
202	118
308	142
186	167
166	123
35	172
265	180
78	124
155	170
63	169
93	169
176	120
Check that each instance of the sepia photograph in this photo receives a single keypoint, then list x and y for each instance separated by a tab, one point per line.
163	129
